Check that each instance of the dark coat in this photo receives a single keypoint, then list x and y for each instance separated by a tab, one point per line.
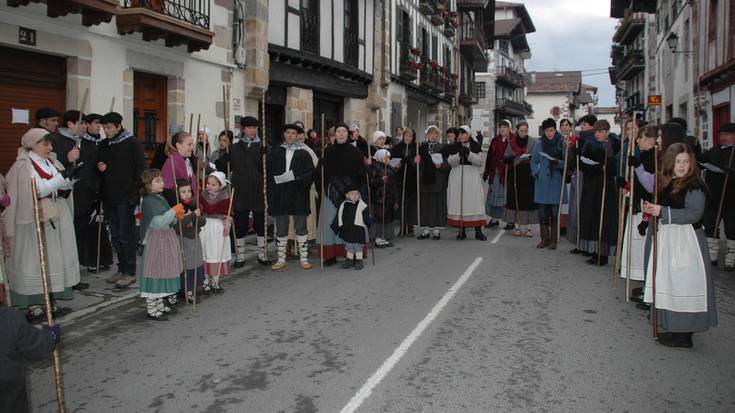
289	198
20	344
407	155
246	163
433	179
87	188
715	181
595	179
125	165
377	171
349	231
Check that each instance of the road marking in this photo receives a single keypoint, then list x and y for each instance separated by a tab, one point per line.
497	237
66	321
399	352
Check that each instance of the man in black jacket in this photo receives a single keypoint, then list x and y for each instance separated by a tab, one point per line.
290	175
718	165
121	161
246	166
20	344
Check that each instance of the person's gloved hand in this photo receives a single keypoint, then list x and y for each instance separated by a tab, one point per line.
634	161
55	331
642	227
620	182
553	163
370	220
178	210
71	173
464	151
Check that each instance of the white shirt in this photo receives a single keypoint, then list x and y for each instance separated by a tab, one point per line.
45	187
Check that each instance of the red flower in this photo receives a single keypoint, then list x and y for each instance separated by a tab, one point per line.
416	51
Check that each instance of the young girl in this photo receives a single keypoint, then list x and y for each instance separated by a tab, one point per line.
351	225
161	255
214	203
383	178
192	247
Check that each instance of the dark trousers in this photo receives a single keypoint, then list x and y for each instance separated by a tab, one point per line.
727	221
547	213
121	219
81	230
242	225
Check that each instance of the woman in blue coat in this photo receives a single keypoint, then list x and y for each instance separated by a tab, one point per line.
547	166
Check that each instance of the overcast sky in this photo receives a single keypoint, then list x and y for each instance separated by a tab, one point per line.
573	35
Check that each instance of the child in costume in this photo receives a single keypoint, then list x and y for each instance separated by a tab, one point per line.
214	203
350	225
190	228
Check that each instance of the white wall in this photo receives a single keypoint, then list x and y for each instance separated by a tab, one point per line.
542	104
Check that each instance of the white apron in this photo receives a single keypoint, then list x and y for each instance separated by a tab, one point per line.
637	251
215	246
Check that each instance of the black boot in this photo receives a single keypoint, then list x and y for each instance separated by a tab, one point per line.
462	234
348	263
479	235
575	251
598	261
358	265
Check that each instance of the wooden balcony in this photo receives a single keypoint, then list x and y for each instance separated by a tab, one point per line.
93	11
472	44
178	22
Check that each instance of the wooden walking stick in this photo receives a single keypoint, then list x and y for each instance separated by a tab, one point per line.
203	166
321	199
78	135
385	189
418	179
716	235
461	190
100	212
403	198
224	238
602	209
622	209
56	360
629	241
181	232
515	193
577	198
191	123
561	191
370	203
265	181
8	298
654	259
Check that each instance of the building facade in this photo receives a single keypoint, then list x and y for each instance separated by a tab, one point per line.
553	95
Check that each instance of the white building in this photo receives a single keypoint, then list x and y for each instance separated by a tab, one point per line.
553	95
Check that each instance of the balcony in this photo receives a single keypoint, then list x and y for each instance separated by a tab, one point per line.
511	107
176	21
309	30
93	11
632	64
510	77
472	43
628	30
633	102
467	94
612	71
408	61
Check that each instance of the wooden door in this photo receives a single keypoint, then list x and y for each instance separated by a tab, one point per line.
41	82
720	116
331	107
150	107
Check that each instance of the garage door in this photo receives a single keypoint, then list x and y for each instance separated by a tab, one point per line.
28	81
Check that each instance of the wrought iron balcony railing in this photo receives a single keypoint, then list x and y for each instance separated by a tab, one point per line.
310	30
195	12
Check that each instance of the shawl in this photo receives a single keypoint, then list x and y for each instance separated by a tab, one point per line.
494	163
220	205
552	147
519	146
179	170
152	205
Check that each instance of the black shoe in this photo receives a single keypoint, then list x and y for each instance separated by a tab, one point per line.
436	236
380	245
479	235
35	319
594	261
264	262
509	227
330	261
492	224
218	290
636	298
348	263
576	251
80	286
643	306
462	235
169	309
358	265
238	264
162	317
638	291
424	235
388	244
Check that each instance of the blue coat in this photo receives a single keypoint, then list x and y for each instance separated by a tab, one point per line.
548	179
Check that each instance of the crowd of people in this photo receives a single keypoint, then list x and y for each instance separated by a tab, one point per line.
638	199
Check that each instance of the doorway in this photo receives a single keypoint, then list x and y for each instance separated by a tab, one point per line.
720	116
150	109
329	105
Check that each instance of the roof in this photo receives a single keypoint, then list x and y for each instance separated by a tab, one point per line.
606	110
479	4
505	28
555	82
522	13
589	87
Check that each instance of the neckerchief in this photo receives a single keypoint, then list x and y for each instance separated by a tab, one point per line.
121	137
92	138
249	141
293	146
65	132
43	174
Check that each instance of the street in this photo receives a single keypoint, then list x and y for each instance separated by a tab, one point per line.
530	330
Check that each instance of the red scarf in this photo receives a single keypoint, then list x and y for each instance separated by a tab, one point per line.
218	208
43	174
518	150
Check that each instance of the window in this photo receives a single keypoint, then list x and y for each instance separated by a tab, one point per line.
351	29
434	49
310	26
712	29
425	45
480	90
448	57
504	46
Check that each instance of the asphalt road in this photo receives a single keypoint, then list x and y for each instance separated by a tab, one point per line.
527	330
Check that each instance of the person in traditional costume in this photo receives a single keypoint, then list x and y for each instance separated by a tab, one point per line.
357	140
406	151
181	164
718	163
681	289
378	142
223	144
292	249
570	181
465	208
351	225
87	198
162	261
599	227
519	205
343	167
47	118
434	171
214	203
121	161
451	135
644	163
547	167
290	175
383	184
246	163
495	175
586	134
189	233
36	160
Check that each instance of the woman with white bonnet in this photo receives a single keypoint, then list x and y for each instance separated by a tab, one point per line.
383	185
53	184
434	171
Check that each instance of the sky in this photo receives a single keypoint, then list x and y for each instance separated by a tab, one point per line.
573	35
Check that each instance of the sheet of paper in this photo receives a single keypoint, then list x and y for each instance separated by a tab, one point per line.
525	156
711	167
282	179
437	158
21	116
588	161
395	163
549	157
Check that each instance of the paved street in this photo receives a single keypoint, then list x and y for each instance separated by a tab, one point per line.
529	330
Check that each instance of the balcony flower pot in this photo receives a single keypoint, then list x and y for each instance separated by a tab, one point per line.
416	51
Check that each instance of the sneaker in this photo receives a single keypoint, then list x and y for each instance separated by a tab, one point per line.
114	278
125	281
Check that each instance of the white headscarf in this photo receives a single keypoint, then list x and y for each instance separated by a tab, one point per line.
381	154
220	177
377	135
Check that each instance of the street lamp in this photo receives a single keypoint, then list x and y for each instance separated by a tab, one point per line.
673	41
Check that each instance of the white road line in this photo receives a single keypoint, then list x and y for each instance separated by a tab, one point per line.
95	308
497	237
399	352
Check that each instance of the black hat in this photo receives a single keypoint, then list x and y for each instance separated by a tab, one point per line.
672	133
91	117
112	117
71	116
293	126
248	121
588	119
351	187
341	125
727	128
44	113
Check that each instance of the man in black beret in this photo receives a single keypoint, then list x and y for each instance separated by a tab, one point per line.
121	162
65	139
721	157
47	118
